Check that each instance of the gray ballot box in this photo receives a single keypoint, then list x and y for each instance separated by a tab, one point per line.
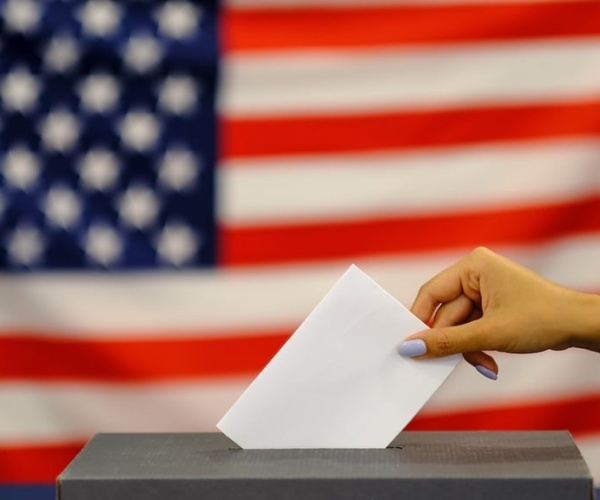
416	466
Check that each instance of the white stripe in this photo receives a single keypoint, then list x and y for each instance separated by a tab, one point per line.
281	190
69	411
590	450
51	413
410	78
204	303
522	379
294	4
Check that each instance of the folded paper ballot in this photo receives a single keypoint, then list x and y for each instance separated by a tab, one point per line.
338	381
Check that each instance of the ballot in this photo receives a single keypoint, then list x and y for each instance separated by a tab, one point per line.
338	382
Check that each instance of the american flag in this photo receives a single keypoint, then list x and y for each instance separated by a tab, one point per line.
181	182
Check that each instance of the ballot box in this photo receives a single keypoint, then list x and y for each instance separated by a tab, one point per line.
416	466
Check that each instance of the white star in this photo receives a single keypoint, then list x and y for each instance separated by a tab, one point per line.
99	169
61	54
103	244
139	130
59	131
62	207
142	53
21	168
176	244
25	245
100	18
138	207
22	15
99	93
178	94
178	169
20	90
178	19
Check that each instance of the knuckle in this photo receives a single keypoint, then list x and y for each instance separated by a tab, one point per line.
481	252
443	344
422	290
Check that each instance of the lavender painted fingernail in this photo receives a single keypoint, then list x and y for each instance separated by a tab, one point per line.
412	348
486	372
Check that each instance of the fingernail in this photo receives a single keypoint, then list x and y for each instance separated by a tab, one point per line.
486	372
412	348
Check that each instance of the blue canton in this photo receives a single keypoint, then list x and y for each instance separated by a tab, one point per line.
107	134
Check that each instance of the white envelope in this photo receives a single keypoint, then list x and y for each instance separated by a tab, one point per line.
338	381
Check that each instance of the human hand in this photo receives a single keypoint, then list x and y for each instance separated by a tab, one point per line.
486	302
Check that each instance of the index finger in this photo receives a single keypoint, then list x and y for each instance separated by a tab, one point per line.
443	287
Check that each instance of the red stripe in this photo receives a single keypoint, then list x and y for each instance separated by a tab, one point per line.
578	415
37	358
303	28
389	236
43	464
35	464
252	137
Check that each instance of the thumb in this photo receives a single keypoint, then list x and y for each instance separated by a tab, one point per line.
438	342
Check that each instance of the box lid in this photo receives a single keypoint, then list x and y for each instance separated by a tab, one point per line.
451	463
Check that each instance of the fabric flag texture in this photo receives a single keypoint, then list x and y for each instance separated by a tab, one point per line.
181	182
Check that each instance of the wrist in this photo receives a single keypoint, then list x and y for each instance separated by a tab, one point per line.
585	321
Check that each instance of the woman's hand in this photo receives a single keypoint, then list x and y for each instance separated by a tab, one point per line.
485	302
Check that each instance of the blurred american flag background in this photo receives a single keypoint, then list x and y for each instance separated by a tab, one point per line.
181	182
